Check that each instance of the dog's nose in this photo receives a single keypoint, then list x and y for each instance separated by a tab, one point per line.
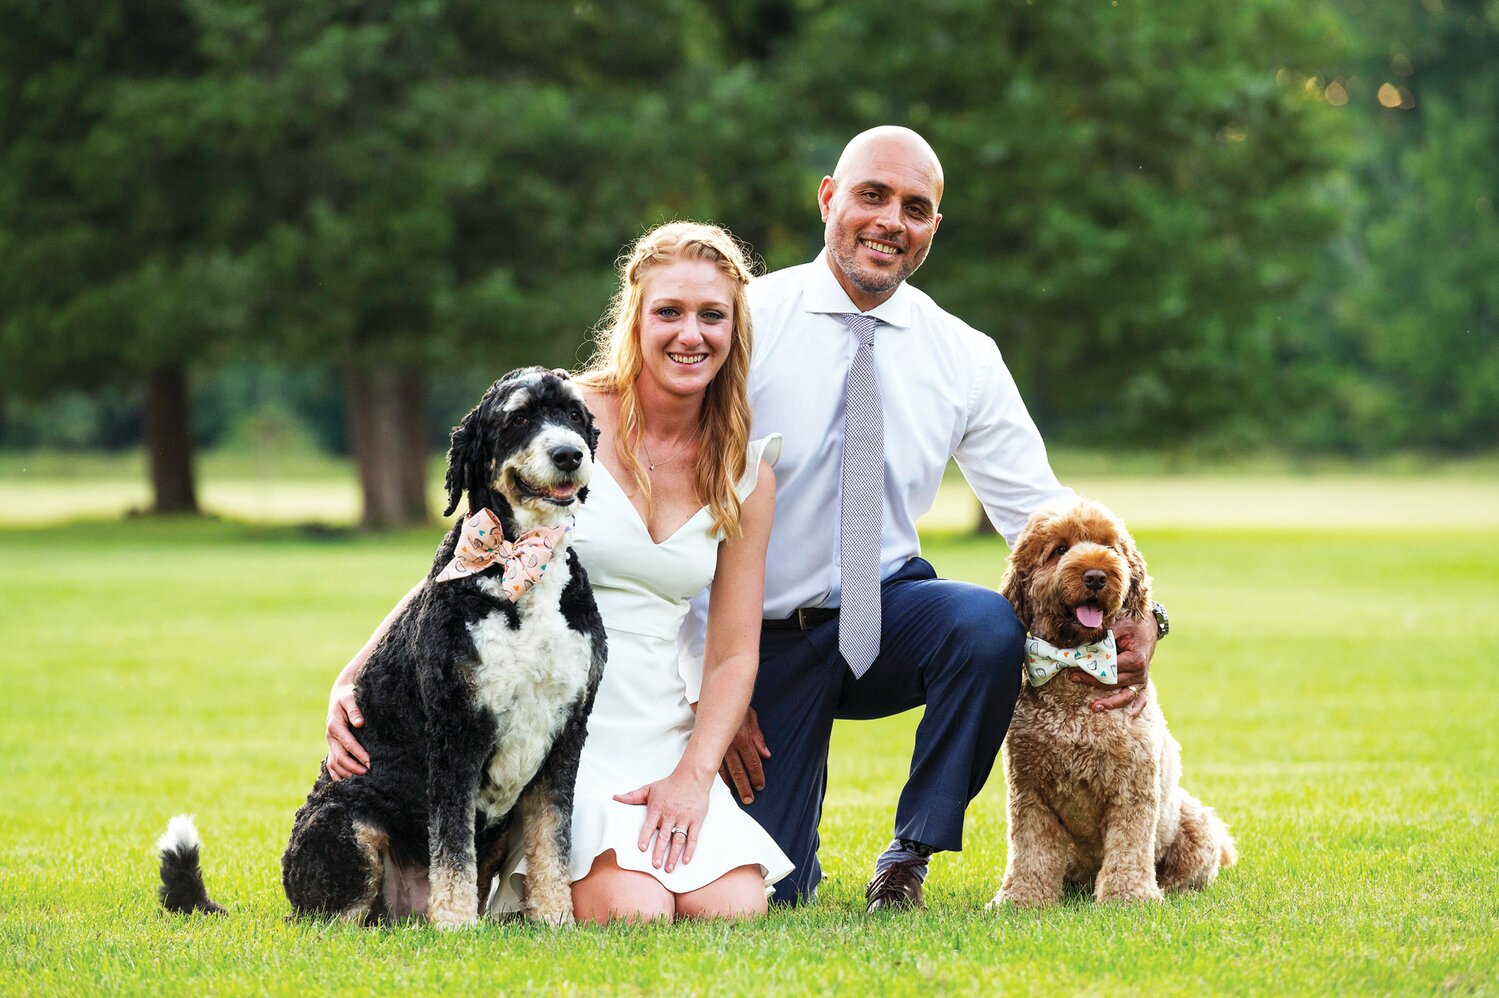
1094	579
567	457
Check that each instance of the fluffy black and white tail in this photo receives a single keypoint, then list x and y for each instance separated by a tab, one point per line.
182	887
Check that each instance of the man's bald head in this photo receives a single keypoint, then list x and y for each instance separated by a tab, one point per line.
889	145
879	211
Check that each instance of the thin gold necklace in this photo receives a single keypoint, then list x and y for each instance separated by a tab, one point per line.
653	465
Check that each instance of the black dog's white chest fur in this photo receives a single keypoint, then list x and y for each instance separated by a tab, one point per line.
529	677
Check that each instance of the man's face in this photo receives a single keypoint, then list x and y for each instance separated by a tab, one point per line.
880	216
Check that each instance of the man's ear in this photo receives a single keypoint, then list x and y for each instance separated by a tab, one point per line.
825	195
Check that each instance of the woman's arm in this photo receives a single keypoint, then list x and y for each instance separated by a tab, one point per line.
730	660
346	757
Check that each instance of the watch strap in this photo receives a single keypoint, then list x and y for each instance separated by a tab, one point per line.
1162	621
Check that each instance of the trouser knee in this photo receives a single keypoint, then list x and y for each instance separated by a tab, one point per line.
988	641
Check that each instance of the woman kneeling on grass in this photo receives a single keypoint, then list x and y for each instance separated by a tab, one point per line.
685	499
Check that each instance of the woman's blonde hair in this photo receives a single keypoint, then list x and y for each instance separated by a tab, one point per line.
617	363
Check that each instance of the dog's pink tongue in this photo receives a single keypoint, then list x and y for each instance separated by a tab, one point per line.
1089	616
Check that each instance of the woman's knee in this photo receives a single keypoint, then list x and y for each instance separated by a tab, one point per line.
740	893
610	893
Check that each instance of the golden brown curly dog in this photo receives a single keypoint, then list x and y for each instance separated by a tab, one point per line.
1093	796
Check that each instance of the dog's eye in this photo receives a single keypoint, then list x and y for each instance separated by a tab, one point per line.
518	421
1061	549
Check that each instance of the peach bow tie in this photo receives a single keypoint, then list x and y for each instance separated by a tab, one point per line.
483	544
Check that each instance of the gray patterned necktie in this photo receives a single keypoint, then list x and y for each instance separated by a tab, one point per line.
861	518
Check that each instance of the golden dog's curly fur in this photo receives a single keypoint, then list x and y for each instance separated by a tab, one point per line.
1094	799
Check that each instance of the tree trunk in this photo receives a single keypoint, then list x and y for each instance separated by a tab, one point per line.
169	441
387	405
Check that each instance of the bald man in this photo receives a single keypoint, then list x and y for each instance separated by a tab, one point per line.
940	391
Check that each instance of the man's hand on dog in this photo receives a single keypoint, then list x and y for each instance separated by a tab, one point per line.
346	757
741	769
1135	640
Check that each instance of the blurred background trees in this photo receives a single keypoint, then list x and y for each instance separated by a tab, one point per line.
1218	225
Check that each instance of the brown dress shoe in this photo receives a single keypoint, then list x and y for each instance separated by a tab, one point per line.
895	888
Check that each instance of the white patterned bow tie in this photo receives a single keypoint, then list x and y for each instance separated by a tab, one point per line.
1099	660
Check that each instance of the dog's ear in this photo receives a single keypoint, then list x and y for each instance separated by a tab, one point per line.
1013	590
1137	597
463	450
591	430
472	443
1029	547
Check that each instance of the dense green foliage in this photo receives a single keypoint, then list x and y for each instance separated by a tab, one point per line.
1356	773
1131	194
1183	223
1414	355
120	217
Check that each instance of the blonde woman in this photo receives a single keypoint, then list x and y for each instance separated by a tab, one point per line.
681	498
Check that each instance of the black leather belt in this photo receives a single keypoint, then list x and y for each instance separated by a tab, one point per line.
803	620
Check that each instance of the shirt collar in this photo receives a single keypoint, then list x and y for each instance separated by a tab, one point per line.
822	293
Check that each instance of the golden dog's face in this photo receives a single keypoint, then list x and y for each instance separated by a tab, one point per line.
1074	570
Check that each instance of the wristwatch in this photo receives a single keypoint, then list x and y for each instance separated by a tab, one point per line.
1162	622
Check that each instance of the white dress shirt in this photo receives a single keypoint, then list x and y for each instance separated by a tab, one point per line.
946	394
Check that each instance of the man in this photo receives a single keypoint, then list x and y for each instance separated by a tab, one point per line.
874	388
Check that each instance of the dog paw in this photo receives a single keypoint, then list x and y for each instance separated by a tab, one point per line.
551	914
458	909
1014	898
1128	891
447	923
549	901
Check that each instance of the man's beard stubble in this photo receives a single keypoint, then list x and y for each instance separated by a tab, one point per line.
871	282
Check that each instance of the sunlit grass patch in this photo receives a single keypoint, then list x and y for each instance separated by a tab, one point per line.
1314	677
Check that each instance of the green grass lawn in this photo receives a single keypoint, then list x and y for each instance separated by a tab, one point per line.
1332	689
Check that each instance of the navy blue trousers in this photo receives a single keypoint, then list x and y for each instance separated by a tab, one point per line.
955	647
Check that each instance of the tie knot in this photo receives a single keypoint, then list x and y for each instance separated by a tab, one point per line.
862	325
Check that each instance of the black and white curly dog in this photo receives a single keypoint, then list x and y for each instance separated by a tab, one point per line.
474	705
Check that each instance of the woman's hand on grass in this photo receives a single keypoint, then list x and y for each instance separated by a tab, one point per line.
678	802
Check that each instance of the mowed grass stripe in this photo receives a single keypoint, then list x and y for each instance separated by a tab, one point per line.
1327	701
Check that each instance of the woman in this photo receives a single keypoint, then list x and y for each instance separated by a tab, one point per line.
680	497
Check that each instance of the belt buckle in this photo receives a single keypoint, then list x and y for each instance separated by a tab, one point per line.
801	619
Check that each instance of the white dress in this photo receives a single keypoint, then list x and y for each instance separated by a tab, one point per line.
641	719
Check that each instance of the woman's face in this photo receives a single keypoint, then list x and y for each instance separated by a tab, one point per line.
686	325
